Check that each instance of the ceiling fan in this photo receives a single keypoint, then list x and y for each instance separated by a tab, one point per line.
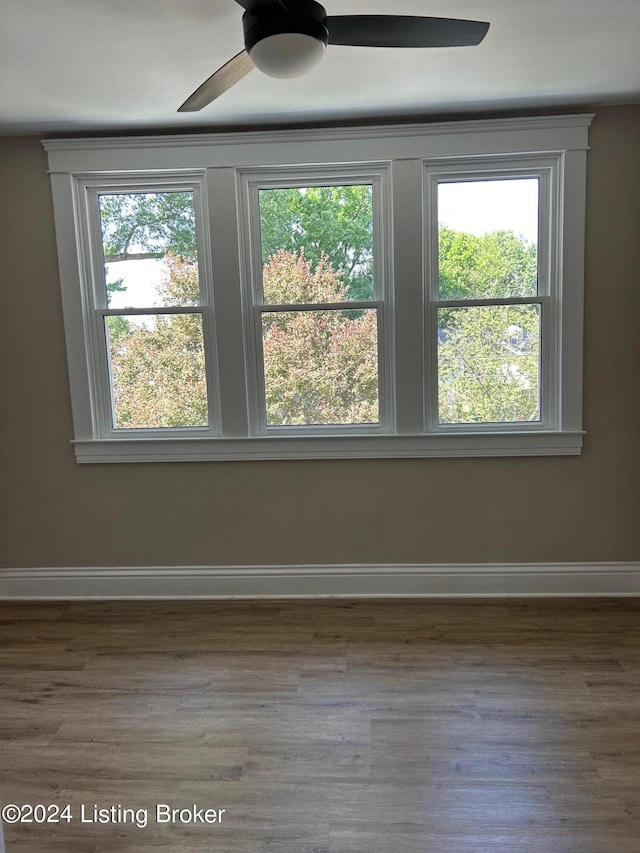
287	38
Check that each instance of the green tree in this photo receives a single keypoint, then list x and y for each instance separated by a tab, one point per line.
488	356
488	364
491	266
334	222
137	226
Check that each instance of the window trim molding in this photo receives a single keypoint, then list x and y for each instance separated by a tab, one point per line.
405	149
482	444
569	132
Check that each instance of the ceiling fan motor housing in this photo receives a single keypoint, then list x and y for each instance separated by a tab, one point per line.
308	18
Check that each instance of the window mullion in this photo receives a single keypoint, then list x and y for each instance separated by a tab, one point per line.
227	254
205	277
407	306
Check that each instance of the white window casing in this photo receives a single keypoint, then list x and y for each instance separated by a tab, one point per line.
404	164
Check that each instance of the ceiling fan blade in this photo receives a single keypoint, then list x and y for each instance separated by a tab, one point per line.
250	5
224	78
404	31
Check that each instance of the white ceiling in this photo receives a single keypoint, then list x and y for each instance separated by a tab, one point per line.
108	65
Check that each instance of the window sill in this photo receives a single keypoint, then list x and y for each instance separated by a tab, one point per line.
329	447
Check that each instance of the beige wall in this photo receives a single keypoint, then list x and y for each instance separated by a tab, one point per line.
56	513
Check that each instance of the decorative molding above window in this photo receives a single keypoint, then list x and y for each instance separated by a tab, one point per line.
389	291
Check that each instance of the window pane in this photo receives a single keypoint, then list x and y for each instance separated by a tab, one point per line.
487	239
321	367
328	233
157	370
489	364
149	249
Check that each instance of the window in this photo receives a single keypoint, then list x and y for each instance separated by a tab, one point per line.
148	303
491	295
325	294
319	300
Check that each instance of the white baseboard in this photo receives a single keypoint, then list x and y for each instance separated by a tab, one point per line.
318	581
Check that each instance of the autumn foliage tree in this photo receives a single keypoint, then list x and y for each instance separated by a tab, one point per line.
158	367
320	365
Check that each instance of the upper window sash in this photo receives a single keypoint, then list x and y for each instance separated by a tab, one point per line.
546	170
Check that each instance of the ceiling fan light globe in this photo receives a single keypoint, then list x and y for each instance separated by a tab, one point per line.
287	55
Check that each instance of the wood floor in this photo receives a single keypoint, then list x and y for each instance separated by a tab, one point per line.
324	726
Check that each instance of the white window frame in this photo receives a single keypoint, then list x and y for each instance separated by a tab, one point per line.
250	184
407	160
546	171
96	310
